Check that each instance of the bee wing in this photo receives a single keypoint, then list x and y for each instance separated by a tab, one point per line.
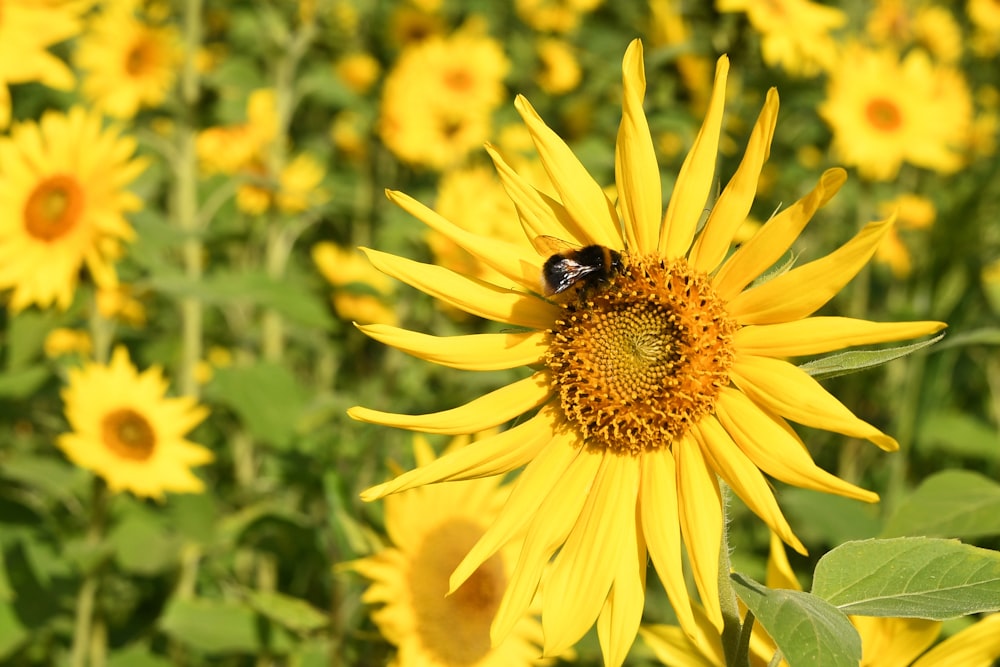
550	245
563	272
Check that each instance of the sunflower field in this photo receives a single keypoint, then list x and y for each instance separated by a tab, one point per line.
443	333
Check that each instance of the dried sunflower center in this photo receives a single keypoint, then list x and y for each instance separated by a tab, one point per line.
456	628
53	208
883	114
128	434
637	361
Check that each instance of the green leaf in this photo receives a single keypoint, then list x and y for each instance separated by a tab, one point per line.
909	577
293	613
137	655
958	433
982	336
844	363
266	396
953	503
143	545
212	626
13	634
807	630
25	337
821	518
23	382
51	477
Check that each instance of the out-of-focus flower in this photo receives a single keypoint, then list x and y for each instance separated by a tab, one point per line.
559	70
299	185
659	375
913	212
795	34
128	63
217	357
28	28
431	530
62	205
127	431
118	303
923	118
349	135
668	28
985	16
438	98
559	16
359	71
409	26
228	149
901	24
360	291
62	341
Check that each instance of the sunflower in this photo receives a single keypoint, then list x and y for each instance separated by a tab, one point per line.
431	529
27	29
129	63
649	385
923	118
62	205
126	431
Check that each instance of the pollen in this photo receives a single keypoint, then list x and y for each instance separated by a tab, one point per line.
640	359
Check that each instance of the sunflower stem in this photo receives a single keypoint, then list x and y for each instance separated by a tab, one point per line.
743	648
87	632
731	629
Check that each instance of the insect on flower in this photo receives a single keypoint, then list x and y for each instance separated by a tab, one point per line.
571	265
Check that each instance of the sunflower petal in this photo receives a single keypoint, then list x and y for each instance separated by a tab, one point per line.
580	193
619	620
533	483
673	647
636	172
658	513
475	352
775	449
792	393
804	290
694	181
514	262
585	567
978	644
540	215
473	296
744	478
734	204
815	335
555	517
485	412
701	522
779	571
775	237
495	455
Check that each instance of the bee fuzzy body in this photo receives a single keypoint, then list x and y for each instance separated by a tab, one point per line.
587	267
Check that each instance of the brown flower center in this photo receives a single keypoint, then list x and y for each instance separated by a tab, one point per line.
883	114
53	207
128	434
641	358
141	58
459	80
456	628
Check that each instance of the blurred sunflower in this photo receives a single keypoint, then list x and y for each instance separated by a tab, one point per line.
985	17
912	212
431	530
27	29
650	384
361	294
127	431
62	200
902	24
558	68
923	118
559	16
795	34
129	63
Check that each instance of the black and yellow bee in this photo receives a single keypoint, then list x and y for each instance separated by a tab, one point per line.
571	265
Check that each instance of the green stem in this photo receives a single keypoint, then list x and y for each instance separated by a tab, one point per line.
87	632
727	596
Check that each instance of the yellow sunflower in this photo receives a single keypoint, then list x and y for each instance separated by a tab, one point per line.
432	529
27	29
62	205
127	431
924	117
129	63
649	385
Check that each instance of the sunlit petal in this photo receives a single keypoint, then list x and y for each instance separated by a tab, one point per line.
735	201
694	182
776	236
475	352
816	335
976	646
619	620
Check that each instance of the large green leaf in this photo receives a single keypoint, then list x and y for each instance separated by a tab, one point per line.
853	361
266	396
293	613
909	577
212	626
144	545
23	382
13	634
808	631
953	503
822	518
958	433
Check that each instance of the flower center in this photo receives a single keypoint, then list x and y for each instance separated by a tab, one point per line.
639	360
455	628
128	434
53	208
883	115
140	59
459	80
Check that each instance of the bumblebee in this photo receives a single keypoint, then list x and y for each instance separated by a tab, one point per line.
570	265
